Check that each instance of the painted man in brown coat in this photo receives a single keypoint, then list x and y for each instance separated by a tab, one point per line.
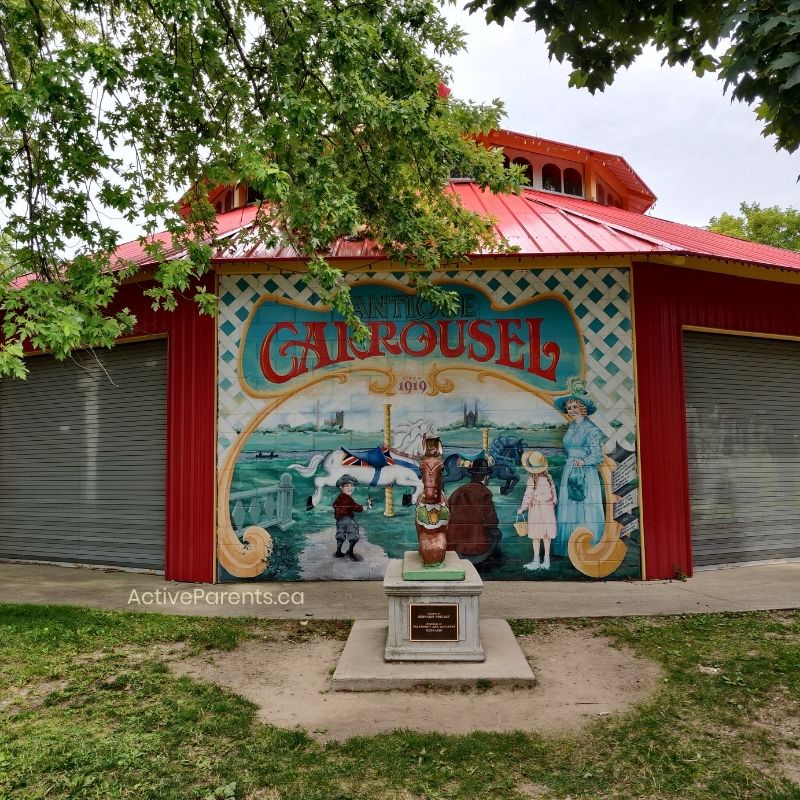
473	531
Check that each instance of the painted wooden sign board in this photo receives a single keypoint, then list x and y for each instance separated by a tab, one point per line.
320	436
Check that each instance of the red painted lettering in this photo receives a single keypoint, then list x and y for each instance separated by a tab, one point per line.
376	339
387	339
266	360
507	338
482	338
313	343
444	338
479	339
427	339
550	350
342	340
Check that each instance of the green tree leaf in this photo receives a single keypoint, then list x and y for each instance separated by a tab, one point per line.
329	109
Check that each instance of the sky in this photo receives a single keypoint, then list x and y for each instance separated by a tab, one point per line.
699	153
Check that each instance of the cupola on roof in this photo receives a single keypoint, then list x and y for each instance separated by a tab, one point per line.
567	169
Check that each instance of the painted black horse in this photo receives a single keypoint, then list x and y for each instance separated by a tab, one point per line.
508	448
506	455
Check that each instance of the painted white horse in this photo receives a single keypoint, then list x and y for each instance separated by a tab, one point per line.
409	437
403	472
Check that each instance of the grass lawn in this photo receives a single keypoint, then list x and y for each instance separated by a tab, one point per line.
84	715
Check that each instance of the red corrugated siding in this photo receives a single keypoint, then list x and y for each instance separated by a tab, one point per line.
665	300
191	414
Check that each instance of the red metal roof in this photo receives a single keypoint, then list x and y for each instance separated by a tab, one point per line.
679	238
547	229
537	223
227	224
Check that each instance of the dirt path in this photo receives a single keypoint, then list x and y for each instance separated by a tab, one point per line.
580	677
318	564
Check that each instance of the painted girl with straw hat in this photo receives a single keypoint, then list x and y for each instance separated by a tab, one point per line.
540	502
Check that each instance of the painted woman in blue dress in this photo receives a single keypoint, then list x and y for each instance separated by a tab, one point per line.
580	495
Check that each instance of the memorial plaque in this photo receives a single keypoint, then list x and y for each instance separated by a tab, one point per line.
433	622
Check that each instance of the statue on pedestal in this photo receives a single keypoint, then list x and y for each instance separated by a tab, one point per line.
432	514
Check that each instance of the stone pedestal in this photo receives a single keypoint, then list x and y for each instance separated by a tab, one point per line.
432	620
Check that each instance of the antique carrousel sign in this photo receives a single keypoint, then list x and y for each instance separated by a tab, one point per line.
528	389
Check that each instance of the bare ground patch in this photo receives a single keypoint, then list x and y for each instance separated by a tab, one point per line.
163	651
19	699
781	718
26	698
580	677
532	790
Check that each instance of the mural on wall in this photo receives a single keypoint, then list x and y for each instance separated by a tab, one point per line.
528	390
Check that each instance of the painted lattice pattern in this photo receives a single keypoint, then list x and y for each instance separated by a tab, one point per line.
600	299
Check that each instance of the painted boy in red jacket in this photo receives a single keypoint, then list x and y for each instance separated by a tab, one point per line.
344	511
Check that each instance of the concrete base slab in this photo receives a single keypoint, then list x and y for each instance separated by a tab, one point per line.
361	666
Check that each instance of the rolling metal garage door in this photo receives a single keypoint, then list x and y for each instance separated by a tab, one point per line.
83	458
743	425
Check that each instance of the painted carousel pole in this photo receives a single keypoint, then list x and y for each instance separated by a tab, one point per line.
388	510
485	432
